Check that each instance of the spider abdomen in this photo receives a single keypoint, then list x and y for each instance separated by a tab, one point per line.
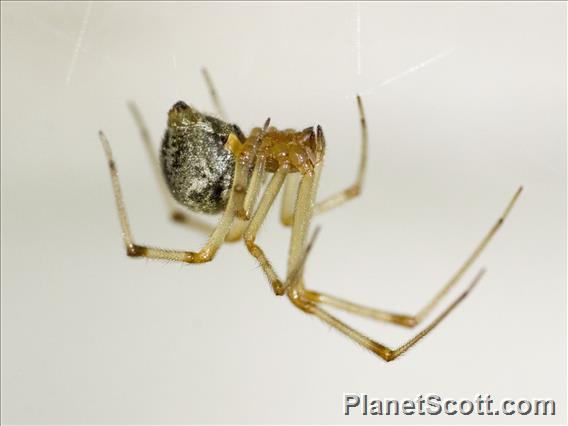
197	167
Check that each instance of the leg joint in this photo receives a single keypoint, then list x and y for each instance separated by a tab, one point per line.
203	256
297	300
354	191
404	320
279	289
251	246
178	216
133	250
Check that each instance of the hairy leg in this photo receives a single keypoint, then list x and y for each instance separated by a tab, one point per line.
412	320
355	189
377	348
205	254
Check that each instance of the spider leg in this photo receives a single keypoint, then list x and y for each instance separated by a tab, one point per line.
255	223
289	198
383	351
355	189
176	214
213	93
303	211
412	320
300	297
207	252
242	219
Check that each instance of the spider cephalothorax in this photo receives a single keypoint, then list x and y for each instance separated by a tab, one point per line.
300	151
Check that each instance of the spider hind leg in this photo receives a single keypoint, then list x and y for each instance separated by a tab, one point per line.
207	252
413	320
377	348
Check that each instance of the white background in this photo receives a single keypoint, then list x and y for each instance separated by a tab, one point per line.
465	102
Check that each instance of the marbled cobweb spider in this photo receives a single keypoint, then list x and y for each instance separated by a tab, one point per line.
210	166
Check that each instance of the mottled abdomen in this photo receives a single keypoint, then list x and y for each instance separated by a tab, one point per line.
197	167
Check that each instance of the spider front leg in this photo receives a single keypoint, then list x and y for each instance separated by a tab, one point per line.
355	189
291	187
207	252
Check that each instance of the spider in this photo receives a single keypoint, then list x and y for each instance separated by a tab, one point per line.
210	166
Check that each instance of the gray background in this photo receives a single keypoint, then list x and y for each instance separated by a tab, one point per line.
465	101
